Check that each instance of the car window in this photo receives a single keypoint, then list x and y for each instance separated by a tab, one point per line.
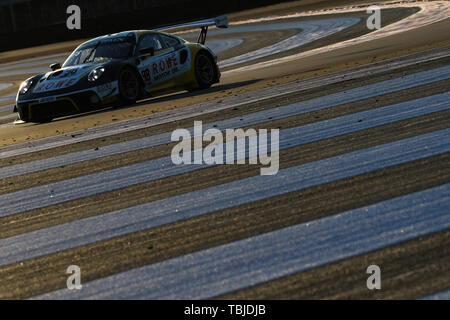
115	51
171	42
151	40
100	51
77	57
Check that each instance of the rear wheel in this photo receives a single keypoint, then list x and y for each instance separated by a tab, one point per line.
130	89
205	70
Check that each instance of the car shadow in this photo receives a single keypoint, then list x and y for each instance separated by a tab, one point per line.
184	94
158	99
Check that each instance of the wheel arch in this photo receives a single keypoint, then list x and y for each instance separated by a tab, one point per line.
204	50
134	68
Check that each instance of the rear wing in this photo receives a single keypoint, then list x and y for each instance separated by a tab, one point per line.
219	22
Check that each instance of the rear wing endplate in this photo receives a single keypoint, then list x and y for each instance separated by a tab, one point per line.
219	22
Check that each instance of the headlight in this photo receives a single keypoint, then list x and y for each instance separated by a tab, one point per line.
25	86
95	74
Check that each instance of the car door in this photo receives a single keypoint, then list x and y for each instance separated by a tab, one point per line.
162	58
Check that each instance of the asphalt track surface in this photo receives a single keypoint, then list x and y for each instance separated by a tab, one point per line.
364	178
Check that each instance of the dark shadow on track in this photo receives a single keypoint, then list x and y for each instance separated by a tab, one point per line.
149	101
180	95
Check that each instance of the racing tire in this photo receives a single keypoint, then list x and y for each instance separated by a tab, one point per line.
205	70
39	119
22	115
130	89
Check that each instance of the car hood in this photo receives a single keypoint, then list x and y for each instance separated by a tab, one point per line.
64	78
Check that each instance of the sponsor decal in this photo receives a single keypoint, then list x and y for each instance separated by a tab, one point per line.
47	99
60	79
165	67
104	87
49	85
159	69
67	73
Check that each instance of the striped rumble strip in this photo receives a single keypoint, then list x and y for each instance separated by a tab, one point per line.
363	179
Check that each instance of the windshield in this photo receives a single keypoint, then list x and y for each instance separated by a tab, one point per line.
115	48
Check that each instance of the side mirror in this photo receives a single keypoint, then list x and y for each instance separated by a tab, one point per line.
55	66
145	51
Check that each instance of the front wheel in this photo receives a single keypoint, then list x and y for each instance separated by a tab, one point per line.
129	86
40	118
23	115
205	70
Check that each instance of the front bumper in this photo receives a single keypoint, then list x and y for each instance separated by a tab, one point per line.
49	107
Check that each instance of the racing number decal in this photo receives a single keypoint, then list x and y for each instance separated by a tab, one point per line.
146	75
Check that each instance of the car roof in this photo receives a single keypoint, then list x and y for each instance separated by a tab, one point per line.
136	34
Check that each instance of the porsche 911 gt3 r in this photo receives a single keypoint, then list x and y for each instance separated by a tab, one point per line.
120	68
